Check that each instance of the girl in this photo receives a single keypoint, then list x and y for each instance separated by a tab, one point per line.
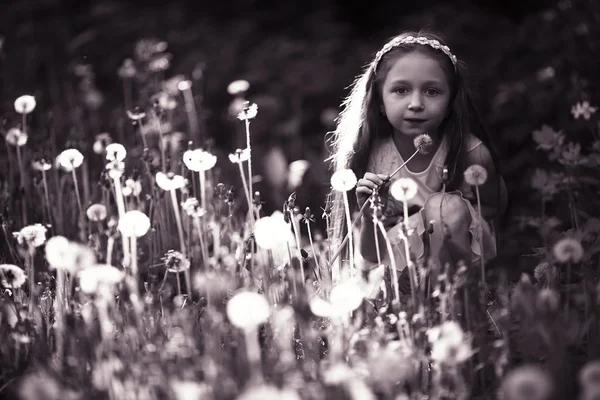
416	85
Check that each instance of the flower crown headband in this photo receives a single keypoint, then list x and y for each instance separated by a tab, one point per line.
411	39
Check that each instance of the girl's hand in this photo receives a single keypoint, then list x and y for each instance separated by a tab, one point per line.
366	185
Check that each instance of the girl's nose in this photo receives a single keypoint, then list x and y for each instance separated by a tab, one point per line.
416	104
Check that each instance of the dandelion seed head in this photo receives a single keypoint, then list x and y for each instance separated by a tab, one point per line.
96	212
248	112
25	104
70	159
422	143
475	175
12	276
16	137
343	180
32	235
115	152
403	189
134	223
247	310
568	250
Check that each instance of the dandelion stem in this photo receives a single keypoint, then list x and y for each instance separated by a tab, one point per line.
190	108
134	266
47	196
202	175
31	273
350	240
250	192
312	247
202	242
480	229
392	262
181	238
246	192
293	222
60	315
22	186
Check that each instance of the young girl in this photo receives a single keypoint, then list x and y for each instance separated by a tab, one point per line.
416	85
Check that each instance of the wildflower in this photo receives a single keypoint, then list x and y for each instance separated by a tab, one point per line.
528	382
25	104
475	175
115	152
134	223
343	180
16	137
12	276
101	141
589	375
199	160
192	208
238	87
60	253
99	278
161	62
583	109
571	155
169	181
246	310
547	138
41	165
136	114
248	112
70	159
448	343
32	235
190	390
422	143
547	184
127	69
96	212
176	262
404	189
132	188
240	156
115	169
184	85
568	250
271	232
541	270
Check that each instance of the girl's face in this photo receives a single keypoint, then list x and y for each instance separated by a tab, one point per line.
415	95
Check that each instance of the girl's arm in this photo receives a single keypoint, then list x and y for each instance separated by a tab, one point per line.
492	202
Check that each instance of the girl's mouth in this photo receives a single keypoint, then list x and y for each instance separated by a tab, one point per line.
414	120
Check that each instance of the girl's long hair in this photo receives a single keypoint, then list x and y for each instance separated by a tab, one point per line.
361	122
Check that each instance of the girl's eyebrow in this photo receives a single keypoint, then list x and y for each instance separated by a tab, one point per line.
428	82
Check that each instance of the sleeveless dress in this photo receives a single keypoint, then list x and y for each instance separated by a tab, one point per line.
384	159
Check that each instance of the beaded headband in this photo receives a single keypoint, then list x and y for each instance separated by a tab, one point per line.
411	39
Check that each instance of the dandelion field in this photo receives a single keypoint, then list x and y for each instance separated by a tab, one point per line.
141	264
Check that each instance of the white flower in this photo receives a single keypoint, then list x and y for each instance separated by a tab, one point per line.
271	232
136	114
176	262
190	390
475	175
115	152
70	159
199	160
12	276
96	212
32	235
127	69
247	310
60	253
568	250
25	104
98	278
101	141
528	382
132	188
296	171
343	180
134	223
41	165
184	85
583	109
248	112
16	137
422	143
240	156
169	181
449	345
404	189
192	208
238	87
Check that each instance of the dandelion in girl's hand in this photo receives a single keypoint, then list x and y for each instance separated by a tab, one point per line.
583	109
403	189
12	276
248	112
422	143
96	212
528	382
475	175
199	160
240	156
70	159
25	104
115	152
169	181
568	250
134	224
41	165
176	261
101	141
343	180
132	188
32	235
16	137
136	114
272	232
99	279
239	86
247	310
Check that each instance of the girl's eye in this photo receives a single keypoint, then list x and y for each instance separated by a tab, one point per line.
432	92
401	90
